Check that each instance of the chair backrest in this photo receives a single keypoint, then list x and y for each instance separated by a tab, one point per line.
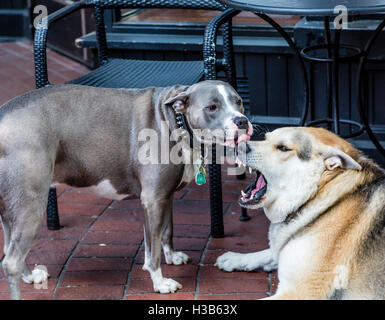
101	5
177	4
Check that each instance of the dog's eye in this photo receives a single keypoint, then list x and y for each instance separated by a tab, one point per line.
212	108
239	102
283	148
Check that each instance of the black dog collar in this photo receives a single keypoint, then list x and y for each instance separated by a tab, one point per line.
182	124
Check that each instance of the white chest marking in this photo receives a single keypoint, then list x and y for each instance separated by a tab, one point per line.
296	258
106	190
341	277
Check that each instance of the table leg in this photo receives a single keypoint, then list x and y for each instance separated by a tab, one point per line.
216	207
53	222
336	66
294	47
360	76
333	76
244	216
329	69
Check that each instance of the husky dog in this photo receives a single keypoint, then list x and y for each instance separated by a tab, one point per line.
326	204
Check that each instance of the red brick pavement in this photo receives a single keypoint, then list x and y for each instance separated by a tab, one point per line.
17	69
99	251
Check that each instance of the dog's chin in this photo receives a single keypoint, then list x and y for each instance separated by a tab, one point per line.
252	204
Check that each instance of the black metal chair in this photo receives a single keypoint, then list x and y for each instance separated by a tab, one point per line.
118	73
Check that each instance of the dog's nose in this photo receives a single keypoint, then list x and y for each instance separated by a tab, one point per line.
241	122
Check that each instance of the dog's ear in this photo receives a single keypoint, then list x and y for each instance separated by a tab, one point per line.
335	158
179	102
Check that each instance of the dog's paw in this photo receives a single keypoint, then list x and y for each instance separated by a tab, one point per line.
38	275
230	261
177	258
167	285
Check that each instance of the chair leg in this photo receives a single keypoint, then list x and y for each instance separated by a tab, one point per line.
53	222
216	207
244	216
241	176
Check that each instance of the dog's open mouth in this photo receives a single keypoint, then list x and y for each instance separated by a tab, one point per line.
254	192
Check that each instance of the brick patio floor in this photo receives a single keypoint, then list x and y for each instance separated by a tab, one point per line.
98	254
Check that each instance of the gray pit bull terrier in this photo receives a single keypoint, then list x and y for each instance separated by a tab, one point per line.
88	137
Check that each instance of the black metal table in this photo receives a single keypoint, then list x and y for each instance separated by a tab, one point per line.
331	52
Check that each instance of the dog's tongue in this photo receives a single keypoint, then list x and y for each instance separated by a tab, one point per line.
243	137
260	184
254	188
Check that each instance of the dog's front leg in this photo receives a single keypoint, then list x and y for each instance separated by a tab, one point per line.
171	256
231	261
154	225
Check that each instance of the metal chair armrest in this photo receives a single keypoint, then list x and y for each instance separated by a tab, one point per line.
210	39
40	41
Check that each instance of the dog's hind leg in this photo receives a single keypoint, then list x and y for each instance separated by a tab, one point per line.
37	275
171	256
24	227
7	235
154	226
24	194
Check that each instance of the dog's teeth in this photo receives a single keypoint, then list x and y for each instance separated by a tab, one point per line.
250	170
252	196
243	194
